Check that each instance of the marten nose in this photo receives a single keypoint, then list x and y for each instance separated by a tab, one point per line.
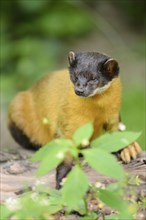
79	91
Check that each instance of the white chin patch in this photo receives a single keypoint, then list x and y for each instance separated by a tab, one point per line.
122	127
100	90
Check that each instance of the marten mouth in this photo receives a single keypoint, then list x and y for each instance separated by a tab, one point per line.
82	95
79	92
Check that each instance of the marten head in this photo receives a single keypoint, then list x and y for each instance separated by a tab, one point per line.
91	72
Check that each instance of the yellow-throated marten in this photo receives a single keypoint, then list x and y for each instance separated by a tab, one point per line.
90	91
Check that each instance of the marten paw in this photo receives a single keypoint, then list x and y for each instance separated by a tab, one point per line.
130	152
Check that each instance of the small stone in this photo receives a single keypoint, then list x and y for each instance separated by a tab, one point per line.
15	168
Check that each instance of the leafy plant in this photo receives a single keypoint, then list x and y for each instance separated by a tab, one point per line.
76	191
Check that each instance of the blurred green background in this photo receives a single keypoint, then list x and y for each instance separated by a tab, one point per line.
36	36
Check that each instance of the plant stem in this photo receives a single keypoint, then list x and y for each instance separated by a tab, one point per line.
86	205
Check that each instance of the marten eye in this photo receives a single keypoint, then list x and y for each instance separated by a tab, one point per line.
94	79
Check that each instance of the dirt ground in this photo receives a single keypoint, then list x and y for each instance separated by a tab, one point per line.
18	174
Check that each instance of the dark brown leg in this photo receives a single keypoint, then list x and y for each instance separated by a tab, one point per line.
61	172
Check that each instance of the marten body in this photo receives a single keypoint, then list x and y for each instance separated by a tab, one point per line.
58	112
90	91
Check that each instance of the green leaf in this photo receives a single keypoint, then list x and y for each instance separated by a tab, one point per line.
49	163
52	209
83	134
104	163
54	193
125	214
55	198
112	199
115	187
55	202
92	215
4	212
112	142
52	147
75	187
81	208
52	156
115	201
112	217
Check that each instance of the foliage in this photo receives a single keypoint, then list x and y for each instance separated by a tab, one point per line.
44	202
35	32
133	110
34	35
134	11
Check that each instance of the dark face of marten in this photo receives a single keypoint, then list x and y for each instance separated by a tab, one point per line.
91	73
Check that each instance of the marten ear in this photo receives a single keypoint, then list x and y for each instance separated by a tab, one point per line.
111	67
71	57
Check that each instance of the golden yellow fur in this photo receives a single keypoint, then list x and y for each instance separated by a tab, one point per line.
51	109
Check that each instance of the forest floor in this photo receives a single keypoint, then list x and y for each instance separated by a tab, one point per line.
17	174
